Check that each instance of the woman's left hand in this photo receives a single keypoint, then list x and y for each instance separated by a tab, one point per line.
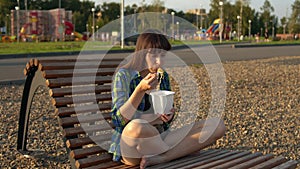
167	117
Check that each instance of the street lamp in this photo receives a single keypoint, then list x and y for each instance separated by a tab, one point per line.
6	24
97	35
272	24
165	25
273	32
177	23
197	13
26	5
200	17
238	32
60	28
93	10
18	23
134	19
172	13
122	24
249	21
87	31
221	21
284	27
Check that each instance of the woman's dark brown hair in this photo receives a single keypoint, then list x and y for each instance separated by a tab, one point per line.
150	39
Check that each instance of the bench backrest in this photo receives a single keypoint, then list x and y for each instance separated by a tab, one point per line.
81	93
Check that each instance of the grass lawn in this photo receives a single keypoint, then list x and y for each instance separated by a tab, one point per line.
44	47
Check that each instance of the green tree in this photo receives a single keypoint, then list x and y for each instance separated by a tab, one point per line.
266	17
229	11
294	23
110	11
130	9
214	11
156	6
5	7
283	23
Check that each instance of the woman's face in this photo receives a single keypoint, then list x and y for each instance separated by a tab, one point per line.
155	59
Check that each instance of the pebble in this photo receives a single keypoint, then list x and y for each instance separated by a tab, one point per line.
261	113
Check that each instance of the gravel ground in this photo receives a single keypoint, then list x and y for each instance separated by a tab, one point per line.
261	113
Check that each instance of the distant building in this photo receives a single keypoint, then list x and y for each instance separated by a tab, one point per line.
200	14
201	11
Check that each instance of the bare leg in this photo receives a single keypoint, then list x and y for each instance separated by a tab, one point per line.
195	140
139	139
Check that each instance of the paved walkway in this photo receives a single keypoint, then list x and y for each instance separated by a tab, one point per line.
11	69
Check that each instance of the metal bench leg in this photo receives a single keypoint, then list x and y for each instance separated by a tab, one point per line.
33	81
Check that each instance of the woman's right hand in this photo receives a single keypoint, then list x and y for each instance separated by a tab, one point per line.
148	83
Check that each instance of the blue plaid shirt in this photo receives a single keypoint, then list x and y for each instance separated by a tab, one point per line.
124	83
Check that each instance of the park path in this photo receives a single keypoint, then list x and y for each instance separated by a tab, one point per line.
11	69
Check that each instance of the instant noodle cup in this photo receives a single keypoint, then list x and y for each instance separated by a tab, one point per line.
162	101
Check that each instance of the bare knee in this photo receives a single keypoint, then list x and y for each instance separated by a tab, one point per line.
139	128
217	127
220	129
132	129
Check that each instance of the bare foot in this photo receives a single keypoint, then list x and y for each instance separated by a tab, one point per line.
148	161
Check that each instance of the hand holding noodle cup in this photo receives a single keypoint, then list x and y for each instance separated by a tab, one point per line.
162	101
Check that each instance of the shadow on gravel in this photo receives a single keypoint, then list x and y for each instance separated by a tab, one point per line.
43	156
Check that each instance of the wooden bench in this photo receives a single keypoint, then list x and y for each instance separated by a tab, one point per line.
82	100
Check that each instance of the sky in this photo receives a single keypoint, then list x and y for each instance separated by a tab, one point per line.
281	7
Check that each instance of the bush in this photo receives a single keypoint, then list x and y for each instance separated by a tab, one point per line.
277	38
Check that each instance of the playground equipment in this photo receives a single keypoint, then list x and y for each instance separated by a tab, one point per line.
213	30
69	30
6	39
44	25
79	36
214	27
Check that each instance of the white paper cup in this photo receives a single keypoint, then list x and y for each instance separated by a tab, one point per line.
162	101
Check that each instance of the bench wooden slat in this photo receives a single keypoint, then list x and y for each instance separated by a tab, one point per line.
78	81
86	129
78	60
84	152
61	101
106	165
79	142
207	160
49	74
191	158
93	160
253	162
237	161
67	111
77	65
67	121
58	92
123	166
270	163
291	164
223	160
189	161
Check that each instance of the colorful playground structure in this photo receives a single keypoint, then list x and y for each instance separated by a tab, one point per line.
213	30
42	25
